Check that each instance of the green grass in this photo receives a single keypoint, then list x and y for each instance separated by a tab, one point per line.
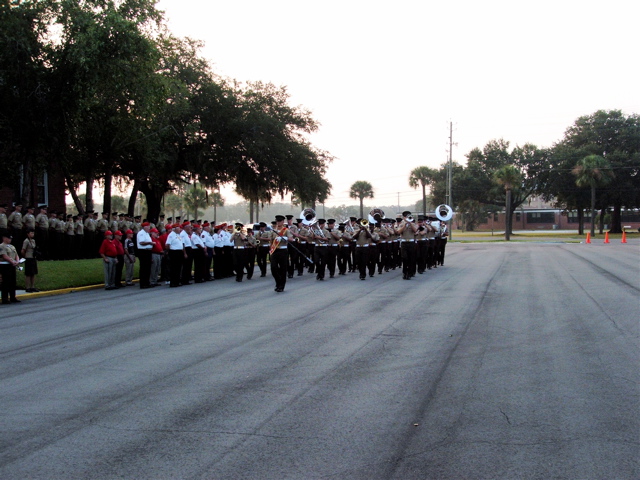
54	275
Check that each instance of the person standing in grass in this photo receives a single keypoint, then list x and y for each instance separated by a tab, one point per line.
108	251
31	263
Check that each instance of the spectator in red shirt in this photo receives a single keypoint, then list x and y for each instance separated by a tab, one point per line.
109	252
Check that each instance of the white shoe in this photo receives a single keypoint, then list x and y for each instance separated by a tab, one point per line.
167	283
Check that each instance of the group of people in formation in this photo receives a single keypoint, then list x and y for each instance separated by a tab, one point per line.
183	253
192	252
62	236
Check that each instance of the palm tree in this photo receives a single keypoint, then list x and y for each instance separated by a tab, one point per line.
593	171
422	176
509	177
361	190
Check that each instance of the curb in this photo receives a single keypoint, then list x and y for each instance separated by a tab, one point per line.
62	291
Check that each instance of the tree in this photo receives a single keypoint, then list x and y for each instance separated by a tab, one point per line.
593	171
422	176
196	198
509	177
361	190
173	204
615	137
27	116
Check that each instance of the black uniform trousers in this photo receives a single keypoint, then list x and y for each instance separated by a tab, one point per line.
279	259
343	258
361	258
239	262
320	253
408	249
176	258
421	255
374	255
443	245
251	261
144	255
332	255
198	264
187	266
8	282
263	250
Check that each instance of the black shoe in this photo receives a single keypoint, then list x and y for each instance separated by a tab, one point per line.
363	278
263	275
15	300
299	274
5	303
290	275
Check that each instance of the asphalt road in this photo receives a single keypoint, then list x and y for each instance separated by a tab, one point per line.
514	361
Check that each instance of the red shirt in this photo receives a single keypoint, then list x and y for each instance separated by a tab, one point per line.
108	248
119	247
157	245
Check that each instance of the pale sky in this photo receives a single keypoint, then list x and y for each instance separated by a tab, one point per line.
384	79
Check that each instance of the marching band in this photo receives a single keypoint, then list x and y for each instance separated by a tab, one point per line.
173	251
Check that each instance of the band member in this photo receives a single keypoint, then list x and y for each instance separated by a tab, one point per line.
251	253
320	236
264	239
294	255
304	243
239	239
444	234
334	236
373	249
9	261
421	245
435	223
350	228
407	230
343	250
362	237
280	237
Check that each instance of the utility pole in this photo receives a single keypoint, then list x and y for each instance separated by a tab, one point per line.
450	175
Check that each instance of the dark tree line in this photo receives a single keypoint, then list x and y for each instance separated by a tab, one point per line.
553	173
100	89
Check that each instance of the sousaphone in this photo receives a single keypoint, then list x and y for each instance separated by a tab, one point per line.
444	212
308	216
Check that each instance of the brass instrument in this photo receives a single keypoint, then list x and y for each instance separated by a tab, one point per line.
444	212
308	216
364	223
376	215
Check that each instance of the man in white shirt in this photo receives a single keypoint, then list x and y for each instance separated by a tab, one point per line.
187	265
177	255
145	244
197	250
209	244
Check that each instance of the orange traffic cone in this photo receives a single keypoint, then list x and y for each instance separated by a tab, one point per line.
606	237
624	237
588	238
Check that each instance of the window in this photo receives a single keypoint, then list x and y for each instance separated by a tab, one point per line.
42	190
541	217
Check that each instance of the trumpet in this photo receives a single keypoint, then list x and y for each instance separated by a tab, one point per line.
364	223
